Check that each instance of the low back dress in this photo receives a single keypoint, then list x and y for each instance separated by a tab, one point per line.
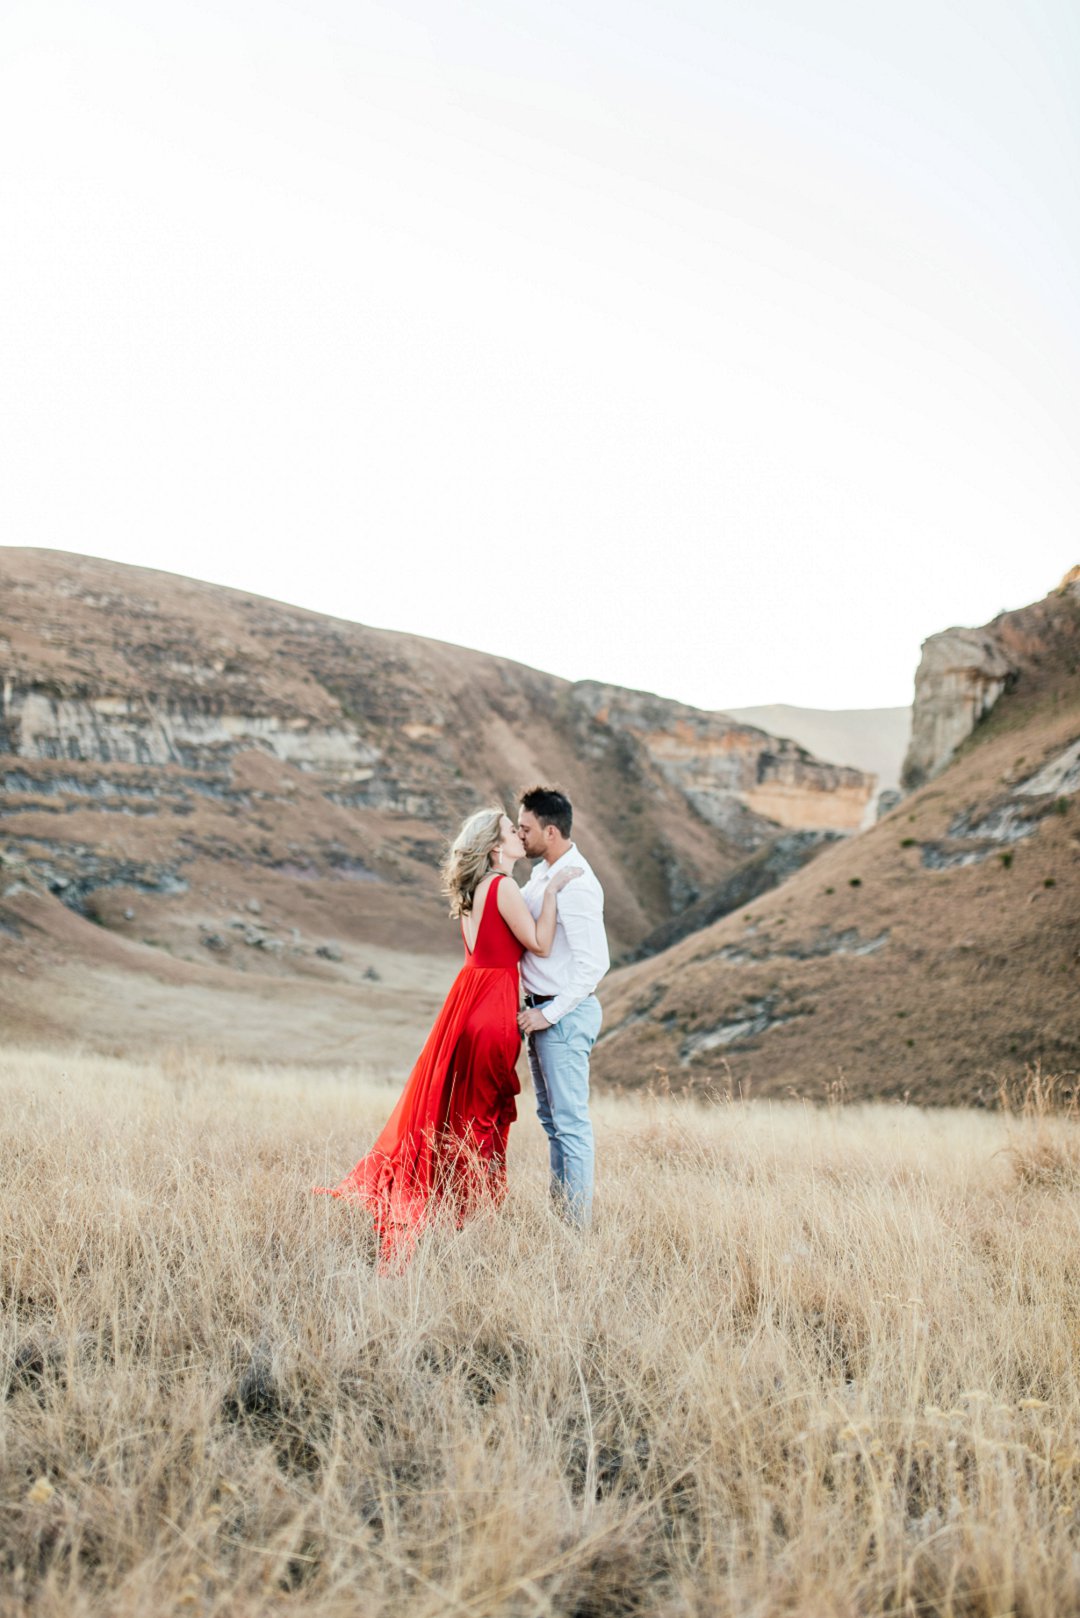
446	1138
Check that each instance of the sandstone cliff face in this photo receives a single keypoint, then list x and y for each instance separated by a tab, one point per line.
871	739
931	957
963	673
738	778
166	734
136	730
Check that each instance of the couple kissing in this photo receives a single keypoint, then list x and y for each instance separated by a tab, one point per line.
533	958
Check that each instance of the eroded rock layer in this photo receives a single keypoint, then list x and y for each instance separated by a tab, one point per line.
963	673
171	751
934	956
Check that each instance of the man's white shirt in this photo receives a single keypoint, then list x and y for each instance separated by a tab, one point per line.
579	955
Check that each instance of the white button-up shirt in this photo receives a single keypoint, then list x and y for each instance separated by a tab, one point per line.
579	955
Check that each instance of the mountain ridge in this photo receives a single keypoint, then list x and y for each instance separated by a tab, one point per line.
172	750
930	958
871	739
220	821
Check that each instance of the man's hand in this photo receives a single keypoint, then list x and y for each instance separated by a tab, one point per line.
532	1020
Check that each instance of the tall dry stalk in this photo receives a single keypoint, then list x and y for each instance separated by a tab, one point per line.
815	1362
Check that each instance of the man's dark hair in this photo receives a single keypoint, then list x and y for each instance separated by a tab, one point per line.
551	808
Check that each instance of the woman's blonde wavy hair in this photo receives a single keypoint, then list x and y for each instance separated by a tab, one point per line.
468	859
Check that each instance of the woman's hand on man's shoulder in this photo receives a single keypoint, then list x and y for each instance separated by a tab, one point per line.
562	879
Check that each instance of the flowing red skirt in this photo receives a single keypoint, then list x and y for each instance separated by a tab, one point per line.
446	1138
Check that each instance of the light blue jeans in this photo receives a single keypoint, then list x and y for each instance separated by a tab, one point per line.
559	1061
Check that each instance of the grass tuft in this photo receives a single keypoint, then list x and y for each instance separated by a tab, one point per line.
810	1360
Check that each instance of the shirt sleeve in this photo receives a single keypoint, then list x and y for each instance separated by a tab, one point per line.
581	914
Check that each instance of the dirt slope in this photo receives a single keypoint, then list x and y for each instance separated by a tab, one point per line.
931	956
243	803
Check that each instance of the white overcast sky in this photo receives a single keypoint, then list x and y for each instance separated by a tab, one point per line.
725	350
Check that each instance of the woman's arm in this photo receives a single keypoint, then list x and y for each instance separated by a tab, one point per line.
539	935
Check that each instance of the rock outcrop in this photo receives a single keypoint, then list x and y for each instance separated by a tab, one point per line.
738	778
961	674
932	957
874	740
964	672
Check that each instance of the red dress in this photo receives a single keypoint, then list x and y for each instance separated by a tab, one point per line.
446	1138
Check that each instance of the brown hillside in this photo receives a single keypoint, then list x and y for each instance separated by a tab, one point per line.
224	795
932	956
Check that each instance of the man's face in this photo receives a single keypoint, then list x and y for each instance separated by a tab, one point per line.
532	834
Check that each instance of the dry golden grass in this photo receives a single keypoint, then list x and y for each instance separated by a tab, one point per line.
815	1362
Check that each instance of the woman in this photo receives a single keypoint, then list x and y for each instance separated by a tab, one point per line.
446	1138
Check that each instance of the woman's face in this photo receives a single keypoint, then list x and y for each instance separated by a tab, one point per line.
510	847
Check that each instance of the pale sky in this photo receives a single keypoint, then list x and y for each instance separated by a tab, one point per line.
724	350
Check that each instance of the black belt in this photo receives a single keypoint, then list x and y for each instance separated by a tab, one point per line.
538	999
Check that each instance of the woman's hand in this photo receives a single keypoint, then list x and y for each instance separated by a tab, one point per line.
561	878
537	934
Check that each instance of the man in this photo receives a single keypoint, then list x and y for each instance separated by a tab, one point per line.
562	1015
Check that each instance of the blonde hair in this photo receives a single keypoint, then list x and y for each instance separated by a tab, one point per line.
467	862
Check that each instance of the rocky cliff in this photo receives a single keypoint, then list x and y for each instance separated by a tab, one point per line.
736	778
171	751
933	956
962	674
872	739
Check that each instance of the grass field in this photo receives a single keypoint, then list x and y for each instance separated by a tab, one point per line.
818	1362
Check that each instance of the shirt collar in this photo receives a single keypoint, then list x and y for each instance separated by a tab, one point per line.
563	859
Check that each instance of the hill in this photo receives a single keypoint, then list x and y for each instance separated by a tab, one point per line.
223	813
934	954
872	739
